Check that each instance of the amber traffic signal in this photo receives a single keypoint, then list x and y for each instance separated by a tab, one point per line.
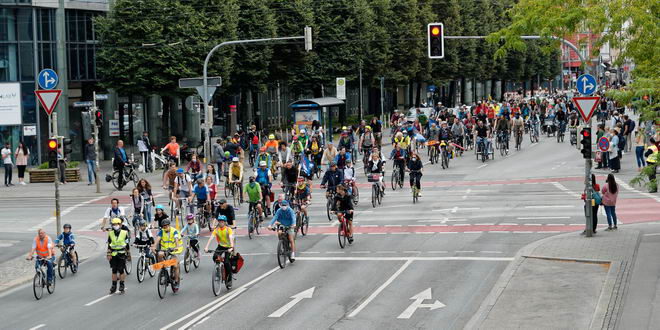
435	40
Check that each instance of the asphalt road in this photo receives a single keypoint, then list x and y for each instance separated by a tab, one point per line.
427	265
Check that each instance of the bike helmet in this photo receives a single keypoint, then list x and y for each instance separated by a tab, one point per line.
159	207
235	159
301	179
222	218
180	170
344	128
303	131
367	128
116	221
263	163
284	203
142	223
271	137
227	154
190	217
165	223
222	201
67	225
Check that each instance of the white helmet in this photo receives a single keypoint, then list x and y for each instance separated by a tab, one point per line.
263	163
235	159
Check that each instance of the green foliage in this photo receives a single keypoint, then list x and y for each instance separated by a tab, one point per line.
43	166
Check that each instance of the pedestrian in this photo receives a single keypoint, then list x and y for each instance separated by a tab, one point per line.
652	161
22	154
218	154
144	146
119	162
8	164
640	143
138	206
610	192
90	159
628	128
144	188
615	161
597	200
61	166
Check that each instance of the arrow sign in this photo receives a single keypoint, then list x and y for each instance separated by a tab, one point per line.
417	303
48	99
47	79
586	106
296	299
586	84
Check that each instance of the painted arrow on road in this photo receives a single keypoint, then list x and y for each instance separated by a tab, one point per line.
296	299
417	303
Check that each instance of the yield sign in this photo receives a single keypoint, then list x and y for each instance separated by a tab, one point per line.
48	99
586	106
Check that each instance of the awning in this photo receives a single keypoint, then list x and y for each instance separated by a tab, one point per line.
316	103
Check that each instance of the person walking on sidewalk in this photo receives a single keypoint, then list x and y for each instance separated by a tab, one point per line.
598	199
610	193
615	161
90	159
652	161
628	128
144	146
7	163
22	154
640	139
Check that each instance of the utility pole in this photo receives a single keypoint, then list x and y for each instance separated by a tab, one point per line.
360	89
96	145
382	98
60	142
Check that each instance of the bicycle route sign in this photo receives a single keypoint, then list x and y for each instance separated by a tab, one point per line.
586	84
603	144
47	79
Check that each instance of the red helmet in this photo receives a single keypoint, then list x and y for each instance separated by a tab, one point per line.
263	149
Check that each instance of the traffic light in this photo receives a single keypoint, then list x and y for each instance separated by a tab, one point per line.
586	142
98	115
67	148
436	40
52	153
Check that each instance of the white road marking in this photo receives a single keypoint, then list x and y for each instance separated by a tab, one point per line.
310	252
97	300
385	251
549	206
417	303
523	232
65	212
484	224
360	252
381	288
532	224
541	218
376	233
203	320
38	327
500	231
424	233
307	294
654	234
392	225
493	252
406	259
464	251
627	187
437	251
507	224
472	232
482	166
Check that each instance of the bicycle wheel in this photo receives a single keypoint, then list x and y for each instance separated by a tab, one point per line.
341	235
38	285
61	266
257	224
446	160
356	195
140	269
374	196
281	254
502	149
134	178
115	179
237	196
74	265
379	195
216	279
328	209
227	188
196	258
128	266
228	277
187	260
251	226
51	287
163	282
394	180
484	154
304	229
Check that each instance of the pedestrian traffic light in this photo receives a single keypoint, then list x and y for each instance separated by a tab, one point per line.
52	153
586	142
67	148
436	40
99	118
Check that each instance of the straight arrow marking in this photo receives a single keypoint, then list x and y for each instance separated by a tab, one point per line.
307	294
417	303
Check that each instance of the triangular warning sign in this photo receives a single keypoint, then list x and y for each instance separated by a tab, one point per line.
586	106
48	99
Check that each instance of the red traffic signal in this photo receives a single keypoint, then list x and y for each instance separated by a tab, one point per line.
586	133
435	40
52	144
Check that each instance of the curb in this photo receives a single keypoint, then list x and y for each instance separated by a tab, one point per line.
15	283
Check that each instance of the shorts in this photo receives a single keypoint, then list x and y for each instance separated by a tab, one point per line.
219	251
201	202
118	263
183	193
290	231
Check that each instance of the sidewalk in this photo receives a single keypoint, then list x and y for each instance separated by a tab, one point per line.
563	282
18	271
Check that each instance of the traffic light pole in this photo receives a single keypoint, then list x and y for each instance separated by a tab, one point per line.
58	219
96	147
588	193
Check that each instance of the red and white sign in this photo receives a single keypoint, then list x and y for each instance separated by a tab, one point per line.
586	106
48	98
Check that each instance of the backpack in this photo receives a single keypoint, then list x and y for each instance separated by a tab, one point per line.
622	142
598	199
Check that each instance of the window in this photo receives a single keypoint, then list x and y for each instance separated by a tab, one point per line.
27	61
8	62
24	20
46	22
7	24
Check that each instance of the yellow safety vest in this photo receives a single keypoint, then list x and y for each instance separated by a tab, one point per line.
169	241
652	158
118	243
222	236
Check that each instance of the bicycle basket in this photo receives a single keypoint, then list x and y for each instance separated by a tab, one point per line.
373	177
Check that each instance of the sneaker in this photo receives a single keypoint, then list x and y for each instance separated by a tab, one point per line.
350	240
113	288
22	183
608	229
584	232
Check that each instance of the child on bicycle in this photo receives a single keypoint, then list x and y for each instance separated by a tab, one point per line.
191	230
202	193
67	240
344	204
303	194
143	236
415	166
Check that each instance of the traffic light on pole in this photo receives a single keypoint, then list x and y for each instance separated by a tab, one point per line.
52	153
435	36
98	114
586	142
67	148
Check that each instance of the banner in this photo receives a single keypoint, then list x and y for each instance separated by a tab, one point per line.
10	104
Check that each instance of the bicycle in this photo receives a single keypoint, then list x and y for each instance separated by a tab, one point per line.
236	193
164	277
253	220
144	263
190	257
445	155
413	188
283	246
503	141
342	230
353	191
519	134
534	133
302	220
397	179
434	154
253	156
481	151
560	133
221	273
330	195
376	190
130	174
40	280
203	218
365	159
65	261
289	189
573	131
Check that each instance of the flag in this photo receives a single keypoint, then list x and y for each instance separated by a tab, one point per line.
305	165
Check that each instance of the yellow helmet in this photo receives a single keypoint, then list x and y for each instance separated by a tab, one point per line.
367	127
271	137
116	221
344	128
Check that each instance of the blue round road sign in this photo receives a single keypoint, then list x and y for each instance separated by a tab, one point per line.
48	79
586	84
603	144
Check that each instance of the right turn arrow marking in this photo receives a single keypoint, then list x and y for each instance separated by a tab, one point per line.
417	303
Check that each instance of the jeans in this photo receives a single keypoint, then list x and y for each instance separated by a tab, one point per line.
628	142
639	152
8	174
91	168
610	211
147	211
146	161
49	263
485	142
62	168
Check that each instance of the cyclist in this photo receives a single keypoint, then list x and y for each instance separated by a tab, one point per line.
434	136
345	141
271	145
314	150
253	192
173	150
377	166
297	148
278	202
169	176
502	128
114	211
415	166
518	126
264	177
349	174
183	186
445	136
143	236
534	121
264	157
118	240
169	238
201	191
329	154
195	168
560	117
332	178
343	204
287	218
377	127
483	133
224	236
282	156
342	157
236	174
191	230
67	239
401	140
160	215
303	138
43	247
458	131
303	194
399	156
367	140
227	211
253	137
289	177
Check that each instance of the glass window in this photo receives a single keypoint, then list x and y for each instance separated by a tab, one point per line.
89	30
46	23
46	56
24	19
29	106
73	62
80	22
27	61
82	62
71	25
7	24
91	63
8	62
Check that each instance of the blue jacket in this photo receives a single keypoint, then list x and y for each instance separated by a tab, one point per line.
286	218
65	239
